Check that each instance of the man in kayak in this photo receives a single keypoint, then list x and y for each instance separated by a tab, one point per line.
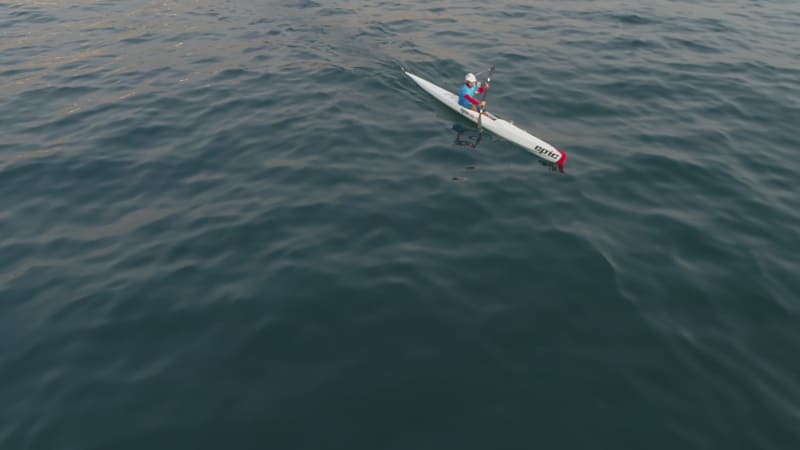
466	96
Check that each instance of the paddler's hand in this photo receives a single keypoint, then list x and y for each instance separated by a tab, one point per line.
483	104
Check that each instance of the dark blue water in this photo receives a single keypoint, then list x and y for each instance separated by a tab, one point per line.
237	224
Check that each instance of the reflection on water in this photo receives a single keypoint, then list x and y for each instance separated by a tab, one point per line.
467	137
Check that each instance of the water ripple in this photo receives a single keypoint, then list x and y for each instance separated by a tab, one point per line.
242	219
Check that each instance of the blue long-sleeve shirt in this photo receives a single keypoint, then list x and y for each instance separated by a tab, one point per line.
466	96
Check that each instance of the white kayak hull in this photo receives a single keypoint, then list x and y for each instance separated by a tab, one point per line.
498	126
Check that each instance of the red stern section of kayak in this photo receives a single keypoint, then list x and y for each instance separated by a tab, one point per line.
561	161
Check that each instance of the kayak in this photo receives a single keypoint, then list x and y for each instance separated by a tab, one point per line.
496	125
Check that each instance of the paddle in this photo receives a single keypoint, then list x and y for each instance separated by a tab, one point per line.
488	80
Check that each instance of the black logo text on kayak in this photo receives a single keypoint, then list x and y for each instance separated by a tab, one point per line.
545	152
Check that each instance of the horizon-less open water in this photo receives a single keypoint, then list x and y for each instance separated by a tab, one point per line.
238	225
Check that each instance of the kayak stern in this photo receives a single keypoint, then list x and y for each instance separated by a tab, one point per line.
561	161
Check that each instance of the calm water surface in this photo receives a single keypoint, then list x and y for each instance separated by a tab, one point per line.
237	224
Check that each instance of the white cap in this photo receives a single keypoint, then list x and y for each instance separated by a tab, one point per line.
470	77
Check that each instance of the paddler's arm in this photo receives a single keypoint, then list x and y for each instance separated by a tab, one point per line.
472	100
475	103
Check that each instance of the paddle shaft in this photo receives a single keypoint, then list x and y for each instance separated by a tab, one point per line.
483	98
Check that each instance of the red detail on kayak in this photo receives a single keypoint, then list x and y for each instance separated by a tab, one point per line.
561	161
